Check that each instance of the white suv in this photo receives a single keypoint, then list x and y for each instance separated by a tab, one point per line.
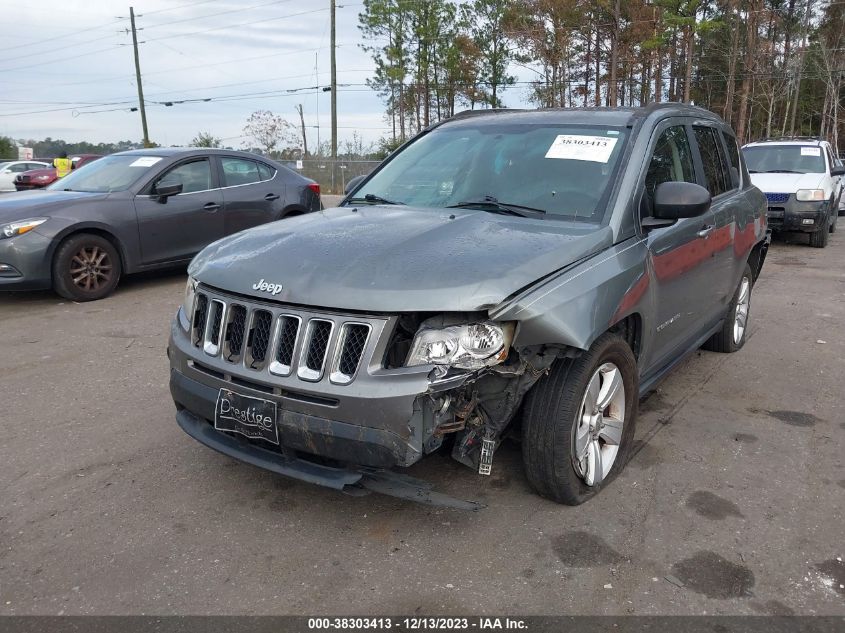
802	182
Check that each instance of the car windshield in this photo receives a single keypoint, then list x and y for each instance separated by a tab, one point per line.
112	173
561	171
784	159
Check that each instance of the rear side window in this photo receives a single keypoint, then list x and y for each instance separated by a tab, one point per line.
718	181
238	171
672	160
265	172
733	152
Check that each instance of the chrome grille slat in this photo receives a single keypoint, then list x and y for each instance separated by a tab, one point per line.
213	328
258	339
246	339
349	351
233	338
199	319
315	346
287	334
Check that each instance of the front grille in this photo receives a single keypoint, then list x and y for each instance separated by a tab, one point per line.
289	344
777	197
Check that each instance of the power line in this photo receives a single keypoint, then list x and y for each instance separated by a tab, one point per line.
212	15
72	33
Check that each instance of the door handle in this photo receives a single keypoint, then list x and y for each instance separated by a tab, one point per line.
706	230
211	207
271	196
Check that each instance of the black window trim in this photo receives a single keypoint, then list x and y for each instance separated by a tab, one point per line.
702	174
147	189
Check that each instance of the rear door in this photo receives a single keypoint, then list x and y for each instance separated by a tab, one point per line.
729	205
179	226
253	193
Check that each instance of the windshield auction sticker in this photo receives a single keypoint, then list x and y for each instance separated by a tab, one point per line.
146	161
811	151
596	149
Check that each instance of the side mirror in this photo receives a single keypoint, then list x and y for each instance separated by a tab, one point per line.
676	200
352	184
839	170
166	191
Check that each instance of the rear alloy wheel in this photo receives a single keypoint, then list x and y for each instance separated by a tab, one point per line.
86	268
734	330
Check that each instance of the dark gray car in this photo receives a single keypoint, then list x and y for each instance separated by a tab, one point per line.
136	211
532	272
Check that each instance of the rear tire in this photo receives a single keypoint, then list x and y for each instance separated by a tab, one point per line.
734	331
563	418
818	239
86	267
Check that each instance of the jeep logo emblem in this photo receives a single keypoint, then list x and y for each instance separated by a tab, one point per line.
264	286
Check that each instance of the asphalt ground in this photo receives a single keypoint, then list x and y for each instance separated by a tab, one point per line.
732	504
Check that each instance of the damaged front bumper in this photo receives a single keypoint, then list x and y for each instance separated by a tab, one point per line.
353	481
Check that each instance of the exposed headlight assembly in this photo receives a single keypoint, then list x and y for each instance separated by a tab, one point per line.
470	346
188	301
20	227
809	195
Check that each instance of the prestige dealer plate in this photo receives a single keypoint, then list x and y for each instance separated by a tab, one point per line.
252	417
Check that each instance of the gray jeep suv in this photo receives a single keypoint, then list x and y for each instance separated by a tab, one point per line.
525	271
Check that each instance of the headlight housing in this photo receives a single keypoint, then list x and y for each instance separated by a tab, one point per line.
20	227
188	301
470	346
809	195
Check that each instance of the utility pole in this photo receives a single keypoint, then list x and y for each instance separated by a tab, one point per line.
334	81
800	69
138	78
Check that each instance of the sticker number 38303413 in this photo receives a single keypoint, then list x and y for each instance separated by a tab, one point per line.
596	149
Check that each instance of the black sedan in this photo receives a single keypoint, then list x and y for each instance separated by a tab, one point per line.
137	211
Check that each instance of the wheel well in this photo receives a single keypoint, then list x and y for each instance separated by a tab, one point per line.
292	211
757	257
101	233
630	328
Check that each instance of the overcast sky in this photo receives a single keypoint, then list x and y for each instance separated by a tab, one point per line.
67	71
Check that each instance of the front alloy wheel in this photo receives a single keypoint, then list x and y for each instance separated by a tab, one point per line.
598	434
86	267
578	421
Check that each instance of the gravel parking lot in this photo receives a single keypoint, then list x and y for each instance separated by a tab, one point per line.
732	504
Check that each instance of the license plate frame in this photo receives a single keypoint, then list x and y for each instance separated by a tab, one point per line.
249	416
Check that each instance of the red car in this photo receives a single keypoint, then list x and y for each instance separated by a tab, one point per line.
40	178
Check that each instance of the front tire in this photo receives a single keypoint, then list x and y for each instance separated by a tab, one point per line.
578	422
818	239
86	267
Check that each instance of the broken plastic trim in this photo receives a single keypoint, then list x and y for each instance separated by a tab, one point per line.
353	481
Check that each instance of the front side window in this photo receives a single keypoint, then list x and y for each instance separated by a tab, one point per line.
671	161
565	171
784	159
715	173
194	176
238	171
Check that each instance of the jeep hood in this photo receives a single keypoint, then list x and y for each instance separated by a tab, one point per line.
786	183
396	259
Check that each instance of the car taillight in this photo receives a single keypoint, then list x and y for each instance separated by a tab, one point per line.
315	188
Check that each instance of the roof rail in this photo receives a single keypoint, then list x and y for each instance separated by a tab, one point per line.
775	139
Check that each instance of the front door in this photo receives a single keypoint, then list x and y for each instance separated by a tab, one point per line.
178	227
680	255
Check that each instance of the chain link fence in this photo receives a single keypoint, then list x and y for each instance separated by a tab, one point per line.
332	175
